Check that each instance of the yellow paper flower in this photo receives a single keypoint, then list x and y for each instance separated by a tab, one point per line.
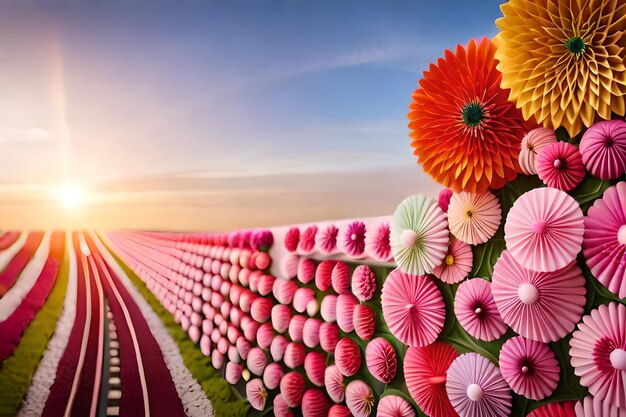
564	59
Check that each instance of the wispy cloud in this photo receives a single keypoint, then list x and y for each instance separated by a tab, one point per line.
23	134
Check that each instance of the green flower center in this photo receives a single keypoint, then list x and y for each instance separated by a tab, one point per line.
472	114
575	45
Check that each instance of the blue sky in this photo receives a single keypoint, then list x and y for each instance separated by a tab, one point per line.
193	98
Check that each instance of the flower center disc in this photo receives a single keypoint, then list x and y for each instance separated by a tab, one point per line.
621	234
408	238
618	359
472	114
475	392
528	293
575	45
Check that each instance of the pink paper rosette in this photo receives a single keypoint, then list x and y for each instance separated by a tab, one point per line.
333	381
476	388
394	406
596	407
413	308
598	353
425	372
604	247
381	361
532	143
364	321
476	310
560	166
256	394
603	149
327	239
419	235
529	367
292	239
474	217
363	282
457	264
543	306
307	240
377	243
347	356
353	240
359	398
544	229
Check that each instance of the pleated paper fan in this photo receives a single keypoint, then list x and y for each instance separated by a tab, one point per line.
477	312
307	239
603	149
476	388
604	247
560	166
544	229
394	406
413	308
457	263
564	409
595	407
359	398
543	306
377	243
334	383
598	353
532	143
256	394
381	361
327	239
419	235
474	217
363	283
529	367
353	240
425	373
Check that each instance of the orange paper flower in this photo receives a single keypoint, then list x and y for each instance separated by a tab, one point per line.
465	132
564	61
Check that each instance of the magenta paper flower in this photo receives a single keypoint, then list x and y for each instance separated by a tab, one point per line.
598	353
544	229
596	407
377	243
363	282
327	239
381	361
292	239
560	166
457	264
333	381
477	312
256	394
359	398
314	366
474	217
394	406
419	235
476	387
292	388
543	306
315	403
323	275
443	200
341	278
603	149
425	373
347	356
353	239
564	409
261	239
307	239
532	143
413	308
529	367
604	246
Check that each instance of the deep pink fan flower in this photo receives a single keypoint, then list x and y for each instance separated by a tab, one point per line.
315	403
292	239
603	149
425	373
354	239
307	239
529	367
560	166
597	407
604	246
306	270
413	308
394	406
329	336
363	283
359	398
457	263
323	274
294	355
327	239
543	306
272	375
333	381
341	278
377	243
444	198
292	388
598	353
476	310
261	240
346	304
256	394
314	366
347	356
564	409
544	229
364	321
281	409
476	388
381	361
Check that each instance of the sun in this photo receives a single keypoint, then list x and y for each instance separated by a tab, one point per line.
71	196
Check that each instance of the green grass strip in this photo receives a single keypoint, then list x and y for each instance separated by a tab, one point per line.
222	396
17	371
